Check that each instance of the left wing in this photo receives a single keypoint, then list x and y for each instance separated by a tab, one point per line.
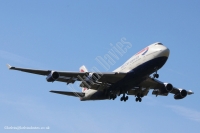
161	88
71	77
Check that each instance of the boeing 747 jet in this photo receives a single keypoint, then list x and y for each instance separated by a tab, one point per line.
132	78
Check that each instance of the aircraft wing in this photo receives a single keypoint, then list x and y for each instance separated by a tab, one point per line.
74	94
71	77
160	88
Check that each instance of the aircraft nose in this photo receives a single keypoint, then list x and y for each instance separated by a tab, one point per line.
164	51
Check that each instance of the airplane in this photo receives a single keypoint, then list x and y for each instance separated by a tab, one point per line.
132	78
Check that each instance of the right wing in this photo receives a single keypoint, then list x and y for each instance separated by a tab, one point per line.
75	94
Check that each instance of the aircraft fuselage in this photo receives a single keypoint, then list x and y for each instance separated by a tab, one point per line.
140	65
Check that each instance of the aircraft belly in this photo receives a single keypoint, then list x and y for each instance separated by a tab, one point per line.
149	66
96	95
142	70
99	95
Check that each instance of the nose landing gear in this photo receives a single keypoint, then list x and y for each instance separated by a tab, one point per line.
156	75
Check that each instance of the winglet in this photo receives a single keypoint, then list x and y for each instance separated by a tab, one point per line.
190	92
9	66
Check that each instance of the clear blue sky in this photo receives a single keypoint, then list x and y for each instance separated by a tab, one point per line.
63	35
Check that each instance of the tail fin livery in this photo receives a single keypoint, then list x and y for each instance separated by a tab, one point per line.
83	69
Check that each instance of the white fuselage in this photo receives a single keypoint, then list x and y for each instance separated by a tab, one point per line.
149	53
152	51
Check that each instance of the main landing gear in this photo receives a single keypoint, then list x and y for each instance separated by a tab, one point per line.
124	98
139	98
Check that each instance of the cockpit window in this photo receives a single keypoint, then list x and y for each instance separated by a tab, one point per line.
158	43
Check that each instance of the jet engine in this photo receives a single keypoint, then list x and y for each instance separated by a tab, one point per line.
90	79
93	77
181	94
52	76
168	87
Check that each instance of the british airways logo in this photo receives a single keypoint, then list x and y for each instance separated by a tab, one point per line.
144	51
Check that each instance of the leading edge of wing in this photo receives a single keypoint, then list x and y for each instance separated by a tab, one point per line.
45	72
75	94
110	77
34	71
156	84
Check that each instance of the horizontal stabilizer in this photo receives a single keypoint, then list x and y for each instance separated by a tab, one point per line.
75	94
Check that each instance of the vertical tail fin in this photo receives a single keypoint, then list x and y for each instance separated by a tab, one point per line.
83	69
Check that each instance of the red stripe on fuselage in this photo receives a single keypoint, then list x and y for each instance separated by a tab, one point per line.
144	50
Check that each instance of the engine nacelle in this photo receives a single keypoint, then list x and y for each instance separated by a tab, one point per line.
168	87
90	79
52	76
93	77
182	94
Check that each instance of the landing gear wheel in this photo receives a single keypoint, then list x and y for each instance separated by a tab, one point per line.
136	99
122	98
126	98
140	99
156	75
